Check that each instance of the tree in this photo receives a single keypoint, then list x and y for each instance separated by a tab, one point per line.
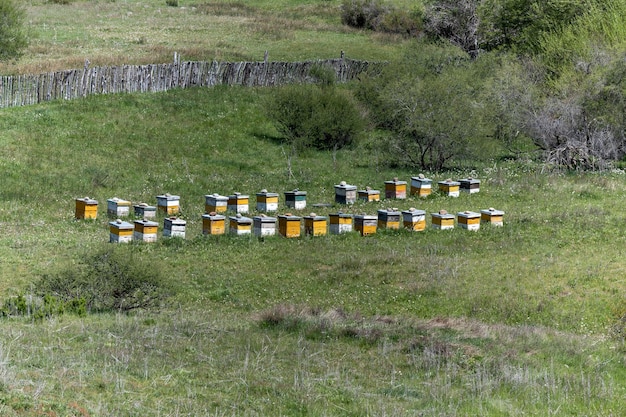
12	37
456	21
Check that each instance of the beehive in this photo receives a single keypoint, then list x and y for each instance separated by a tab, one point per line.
264	225
345	193
470	185
315	225
468	220
389	218
213	224
174	227
215	203
442	220
365	224
449	187
240	225
492	216
238	203
117	207
169	204
369	195
295	199
289	225
340	223
144	211
414	219
266	201
395	189
86	208
120	231
145	230
421	186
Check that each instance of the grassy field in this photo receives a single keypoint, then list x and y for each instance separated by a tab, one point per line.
527	319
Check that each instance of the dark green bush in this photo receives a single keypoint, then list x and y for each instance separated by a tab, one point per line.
378	16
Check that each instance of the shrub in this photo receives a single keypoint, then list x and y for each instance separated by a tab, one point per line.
374	15
173	3
12	38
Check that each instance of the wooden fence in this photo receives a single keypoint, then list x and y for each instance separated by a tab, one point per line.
23	90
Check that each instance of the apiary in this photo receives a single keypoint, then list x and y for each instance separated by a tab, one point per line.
492	216
468	220
449	187
213	224
169	204
395	189
369	195
289	225
145	231
389	218
240	225
414	219
266	201
117	207
238	203
295	199
442	220
470	185
315	225
86	208
174	227
365	224
421	186
144	211
215	203
340	223
264	225
120	231
345	193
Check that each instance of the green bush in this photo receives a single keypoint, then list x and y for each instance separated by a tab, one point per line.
12	37
380	17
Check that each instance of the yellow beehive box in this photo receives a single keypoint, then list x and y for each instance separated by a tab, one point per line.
340	223
414	219
295	199
213	224
470	185
442	220
117	207
421	186
86	208
315	225
395	189
174	227
120	231
289	225
365	224
389	218
144	211
468	220
264	225
215	203
145	231
169	204
345	193
266	201
240	225
238	203
492	216
369	195
449	187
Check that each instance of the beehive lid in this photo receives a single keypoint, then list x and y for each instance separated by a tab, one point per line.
237	196
492	212
119	201
264	219
468	214
215	196
344	186
145	207
295	192
146	222
470	181
120	224
175	221
365	217
414	211
389	212
342	215
421	178
266	193
395	181
241	219
288	216
313	216
168	197
443	214
449	182
87	200
369	191
213	216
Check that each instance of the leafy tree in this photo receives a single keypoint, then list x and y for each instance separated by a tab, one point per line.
12	37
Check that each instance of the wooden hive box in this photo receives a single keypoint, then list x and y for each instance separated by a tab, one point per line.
215	203
238	203
145	231
169	204
289	225
117	207
240	225
86	208
389	218
470	185
266	201
492	216
340	223
264	225
449	187
145	211
345	193
421	186
442	220
213	224
369	195
174	227
295	199
414	219
120	231
365	224
315	225
468	220
395	189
